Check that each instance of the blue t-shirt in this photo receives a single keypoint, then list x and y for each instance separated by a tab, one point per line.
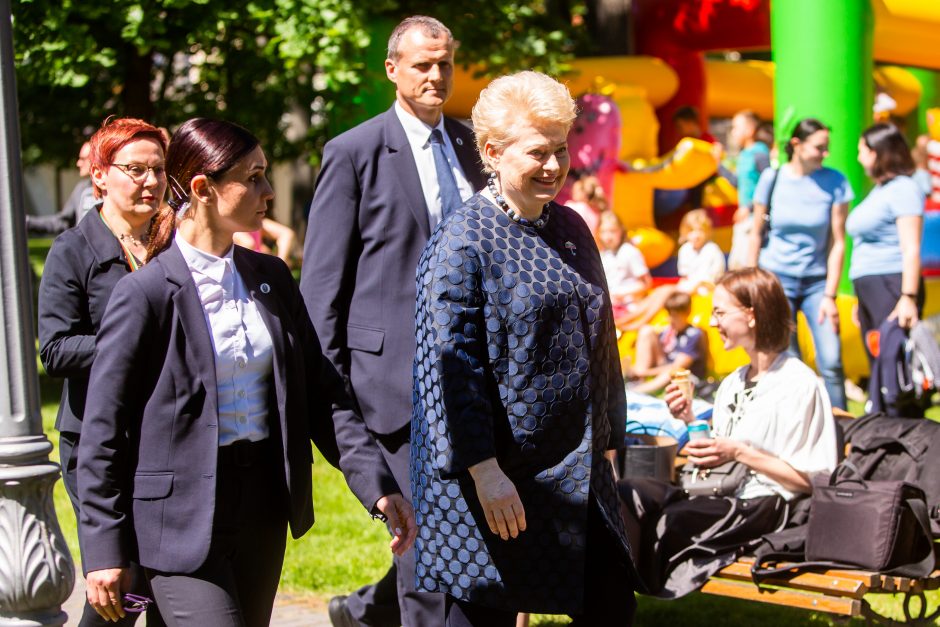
874	228
800	218
689	342
751	162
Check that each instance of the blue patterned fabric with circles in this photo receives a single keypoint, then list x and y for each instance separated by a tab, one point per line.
517	359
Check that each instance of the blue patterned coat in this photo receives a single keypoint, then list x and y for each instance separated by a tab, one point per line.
517	359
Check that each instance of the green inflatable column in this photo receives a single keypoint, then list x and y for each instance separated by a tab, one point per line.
930	97
822	50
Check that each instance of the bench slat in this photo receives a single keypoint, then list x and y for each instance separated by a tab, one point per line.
872	580
790	598
826	583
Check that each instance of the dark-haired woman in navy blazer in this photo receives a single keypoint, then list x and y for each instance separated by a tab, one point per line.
208	386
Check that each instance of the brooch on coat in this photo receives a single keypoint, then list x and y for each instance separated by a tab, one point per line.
571	248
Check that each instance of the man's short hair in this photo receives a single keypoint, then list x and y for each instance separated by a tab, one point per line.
678	302
430	27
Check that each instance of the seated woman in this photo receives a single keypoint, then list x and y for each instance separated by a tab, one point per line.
772	415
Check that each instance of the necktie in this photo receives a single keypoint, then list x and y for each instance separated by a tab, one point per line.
449	194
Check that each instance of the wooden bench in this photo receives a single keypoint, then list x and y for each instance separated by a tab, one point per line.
839	592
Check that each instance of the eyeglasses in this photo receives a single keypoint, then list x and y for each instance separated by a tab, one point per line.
718	315
138	172
136	603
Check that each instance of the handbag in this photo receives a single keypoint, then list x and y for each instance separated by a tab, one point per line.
880	526
722	480
765	223
875	525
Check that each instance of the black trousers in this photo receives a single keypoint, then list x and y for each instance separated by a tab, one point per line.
877	296
235	586
393	600
608	590
68	443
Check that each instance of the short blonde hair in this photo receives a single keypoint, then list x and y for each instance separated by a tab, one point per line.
525	96
695	219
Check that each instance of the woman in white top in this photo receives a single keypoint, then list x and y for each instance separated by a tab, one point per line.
208	386
772	415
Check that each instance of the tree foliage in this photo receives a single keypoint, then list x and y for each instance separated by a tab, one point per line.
287	69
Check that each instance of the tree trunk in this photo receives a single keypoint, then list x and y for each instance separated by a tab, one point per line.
609	23
137	76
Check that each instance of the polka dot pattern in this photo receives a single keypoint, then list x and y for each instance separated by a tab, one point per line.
516	359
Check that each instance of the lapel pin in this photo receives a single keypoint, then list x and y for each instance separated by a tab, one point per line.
265	288
459	141
571	248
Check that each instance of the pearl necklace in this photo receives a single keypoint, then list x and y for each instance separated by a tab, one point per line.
130	239
538	223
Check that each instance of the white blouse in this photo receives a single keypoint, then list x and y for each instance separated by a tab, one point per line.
788	415
242	343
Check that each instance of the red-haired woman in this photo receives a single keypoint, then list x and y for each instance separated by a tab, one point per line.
82	268
771	415
208	387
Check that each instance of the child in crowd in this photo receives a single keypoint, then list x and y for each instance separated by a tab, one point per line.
589	201
680	346
628	278
701	262
753	158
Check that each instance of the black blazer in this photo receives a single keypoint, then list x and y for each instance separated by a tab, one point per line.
148	451
82	268
368	226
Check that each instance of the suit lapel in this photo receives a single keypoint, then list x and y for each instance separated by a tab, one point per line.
193	320
467	153
269	306
406	172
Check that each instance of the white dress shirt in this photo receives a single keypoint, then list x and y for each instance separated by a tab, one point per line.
242	344
419	136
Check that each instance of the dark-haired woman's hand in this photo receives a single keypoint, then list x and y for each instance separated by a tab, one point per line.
679	406
400	518
499	498
829	311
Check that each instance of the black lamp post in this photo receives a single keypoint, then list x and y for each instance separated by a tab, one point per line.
36	570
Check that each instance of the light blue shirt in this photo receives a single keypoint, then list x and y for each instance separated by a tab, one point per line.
243	348
800	219
874	229
751	162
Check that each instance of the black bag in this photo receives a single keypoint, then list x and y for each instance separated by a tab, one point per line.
764	226
874	525
723	480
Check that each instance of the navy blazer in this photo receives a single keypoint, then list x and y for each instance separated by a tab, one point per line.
82	268
148	451
368	225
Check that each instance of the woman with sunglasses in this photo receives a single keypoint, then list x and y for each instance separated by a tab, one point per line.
771	415
82	268
208	388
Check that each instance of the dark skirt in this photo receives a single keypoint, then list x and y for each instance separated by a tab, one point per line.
679	542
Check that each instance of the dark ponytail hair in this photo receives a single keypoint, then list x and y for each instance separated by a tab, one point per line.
892	154
200	146
804	128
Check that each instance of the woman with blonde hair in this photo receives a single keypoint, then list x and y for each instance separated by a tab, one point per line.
519	401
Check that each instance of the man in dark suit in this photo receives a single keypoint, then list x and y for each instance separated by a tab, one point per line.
382	188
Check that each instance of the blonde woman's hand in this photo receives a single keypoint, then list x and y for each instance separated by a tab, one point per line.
502	506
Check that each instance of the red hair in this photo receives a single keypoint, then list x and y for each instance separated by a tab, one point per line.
114	134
